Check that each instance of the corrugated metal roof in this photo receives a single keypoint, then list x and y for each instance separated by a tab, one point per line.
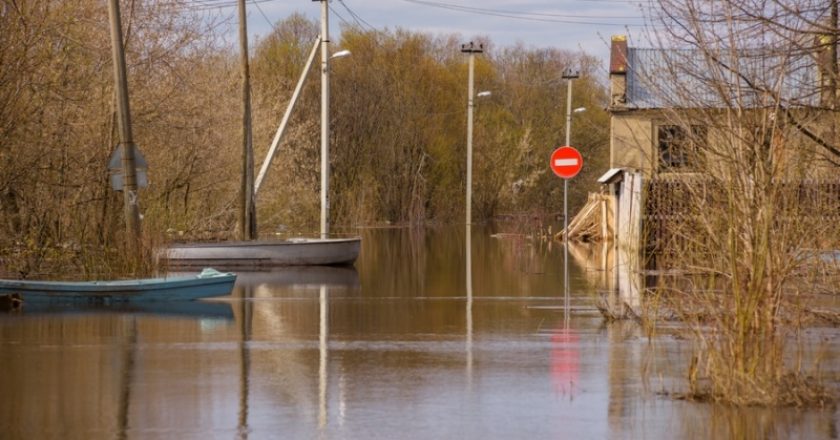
659	78
610	176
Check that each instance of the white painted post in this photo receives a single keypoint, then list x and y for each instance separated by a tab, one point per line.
325	119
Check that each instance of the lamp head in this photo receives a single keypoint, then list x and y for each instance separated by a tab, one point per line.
340	54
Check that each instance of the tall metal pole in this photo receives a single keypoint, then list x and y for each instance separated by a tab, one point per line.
325	119
471	49
569	75
247	210
132	213
470	107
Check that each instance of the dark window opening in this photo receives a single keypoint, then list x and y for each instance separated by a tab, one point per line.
677	146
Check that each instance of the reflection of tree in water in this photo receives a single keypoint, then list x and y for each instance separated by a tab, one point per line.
701	420
403	257
522	253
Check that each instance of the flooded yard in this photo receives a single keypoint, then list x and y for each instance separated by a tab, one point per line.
401	346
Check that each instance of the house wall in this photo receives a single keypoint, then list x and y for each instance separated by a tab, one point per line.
632	141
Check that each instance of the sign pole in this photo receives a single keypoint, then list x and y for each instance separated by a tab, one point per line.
566	162
566	245
132	212
569	75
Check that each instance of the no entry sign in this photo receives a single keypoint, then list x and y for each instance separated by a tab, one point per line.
566	162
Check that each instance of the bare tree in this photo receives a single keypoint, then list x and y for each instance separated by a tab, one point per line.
739	202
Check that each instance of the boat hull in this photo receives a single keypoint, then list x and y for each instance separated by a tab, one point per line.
181	288
255	254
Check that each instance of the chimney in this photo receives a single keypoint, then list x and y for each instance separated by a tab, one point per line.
618	72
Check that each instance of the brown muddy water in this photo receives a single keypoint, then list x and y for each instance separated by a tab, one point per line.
399	347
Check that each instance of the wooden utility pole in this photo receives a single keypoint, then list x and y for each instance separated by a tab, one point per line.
132	213
247	210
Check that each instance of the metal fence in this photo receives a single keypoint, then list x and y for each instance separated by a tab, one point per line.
682	214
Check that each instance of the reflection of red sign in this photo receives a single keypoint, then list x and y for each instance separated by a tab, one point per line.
565	361
566	162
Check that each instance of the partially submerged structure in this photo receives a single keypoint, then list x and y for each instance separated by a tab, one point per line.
670	107
699	128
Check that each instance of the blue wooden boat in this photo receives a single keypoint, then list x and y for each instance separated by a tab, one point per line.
175	288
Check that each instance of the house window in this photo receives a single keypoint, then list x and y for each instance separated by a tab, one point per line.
677	145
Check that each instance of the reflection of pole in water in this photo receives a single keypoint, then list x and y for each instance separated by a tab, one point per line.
469	342
322	360
566	303
244	359
127	373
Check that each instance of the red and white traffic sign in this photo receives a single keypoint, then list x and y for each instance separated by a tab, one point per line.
566	162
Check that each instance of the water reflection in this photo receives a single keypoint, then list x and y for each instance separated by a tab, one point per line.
126	379
612	272
64	374
263	298
301	276
322	357
438	333
204	310
245	322
469	317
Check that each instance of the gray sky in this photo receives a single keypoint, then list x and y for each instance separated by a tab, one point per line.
565	24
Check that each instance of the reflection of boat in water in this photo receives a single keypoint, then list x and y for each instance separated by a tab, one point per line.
334	276
171	309
171	288
255	254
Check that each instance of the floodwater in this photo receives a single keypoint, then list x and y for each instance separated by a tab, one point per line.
402	346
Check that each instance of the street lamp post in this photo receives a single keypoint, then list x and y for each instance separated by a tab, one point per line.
325	117
471	49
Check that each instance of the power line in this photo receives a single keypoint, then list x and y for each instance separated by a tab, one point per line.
270	24
539	17
340	17
207	5
526	14
359	20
